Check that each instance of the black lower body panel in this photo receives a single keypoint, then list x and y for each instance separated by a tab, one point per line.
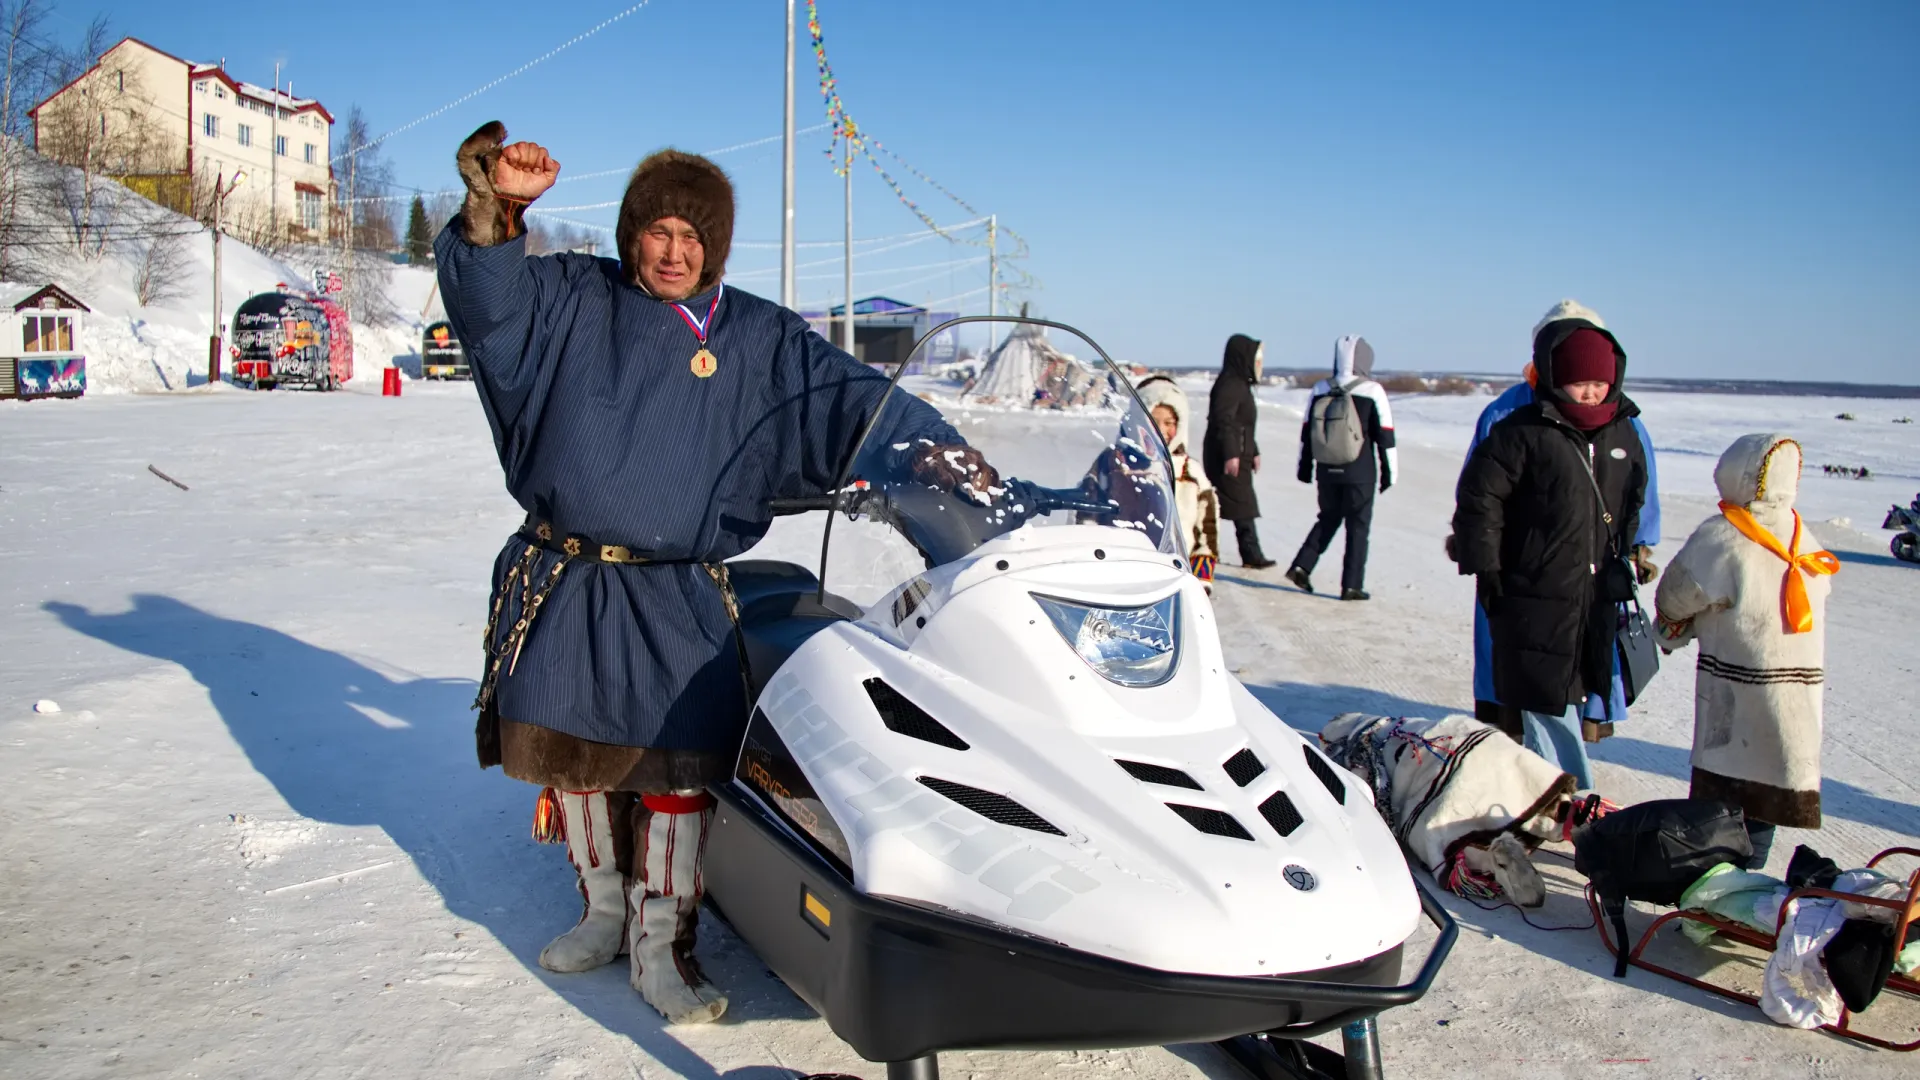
898	981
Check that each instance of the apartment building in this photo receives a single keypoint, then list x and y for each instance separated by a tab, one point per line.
168	127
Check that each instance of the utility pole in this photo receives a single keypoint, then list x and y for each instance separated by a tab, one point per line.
273	158
786	182
346	240
993	274
847	322
216	340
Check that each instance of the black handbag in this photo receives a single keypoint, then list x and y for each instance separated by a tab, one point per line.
1638	652
1633	642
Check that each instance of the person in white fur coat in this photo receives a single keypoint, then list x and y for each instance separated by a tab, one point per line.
1751	587
1194	498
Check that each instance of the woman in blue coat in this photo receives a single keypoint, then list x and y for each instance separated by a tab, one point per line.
1600	712
644	415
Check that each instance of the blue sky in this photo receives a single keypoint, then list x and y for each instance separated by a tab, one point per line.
1735	186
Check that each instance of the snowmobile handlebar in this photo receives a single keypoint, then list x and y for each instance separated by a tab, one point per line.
1038	501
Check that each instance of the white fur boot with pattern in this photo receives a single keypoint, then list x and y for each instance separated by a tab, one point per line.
671	838
597	940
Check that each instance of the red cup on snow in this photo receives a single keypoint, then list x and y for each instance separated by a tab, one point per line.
390	382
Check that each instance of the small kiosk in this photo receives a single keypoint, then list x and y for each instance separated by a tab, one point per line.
40	342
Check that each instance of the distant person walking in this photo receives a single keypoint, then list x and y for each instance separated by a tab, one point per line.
1603	709
1545	514
1348	426
1750	586
1229	454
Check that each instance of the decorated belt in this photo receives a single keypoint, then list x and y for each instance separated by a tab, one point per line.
542	534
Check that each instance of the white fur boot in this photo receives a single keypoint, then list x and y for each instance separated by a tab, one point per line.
666	908
597	940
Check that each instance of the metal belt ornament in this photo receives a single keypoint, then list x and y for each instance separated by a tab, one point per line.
1794	605
704	364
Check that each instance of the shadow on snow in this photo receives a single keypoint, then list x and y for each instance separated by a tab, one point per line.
348	745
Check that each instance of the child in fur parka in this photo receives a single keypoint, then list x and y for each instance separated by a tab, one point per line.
1194	497
1751	587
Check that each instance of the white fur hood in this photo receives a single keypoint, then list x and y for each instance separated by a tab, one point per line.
1160	390
1760	472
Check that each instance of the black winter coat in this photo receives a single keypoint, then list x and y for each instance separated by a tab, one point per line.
1231	415
1527	514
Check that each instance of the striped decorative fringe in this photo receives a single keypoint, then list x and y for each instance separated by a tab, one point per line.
549	824
1462	881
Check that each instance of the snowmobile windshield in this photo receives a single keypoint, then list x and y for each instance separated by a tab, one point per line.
1052	434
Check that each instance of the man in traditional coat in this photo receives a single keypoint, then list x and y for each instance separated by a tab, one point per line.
644	415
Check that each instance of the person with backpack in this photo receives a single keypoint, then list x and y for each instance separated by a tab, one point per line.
1348	425
1544	518
1228	454
1750	585
1602	709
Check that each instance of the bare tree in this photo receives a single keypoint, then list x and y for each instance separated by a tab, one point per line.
98	126
159	265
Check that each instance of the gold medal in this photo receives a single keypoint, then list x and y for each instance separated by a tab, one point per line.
704	365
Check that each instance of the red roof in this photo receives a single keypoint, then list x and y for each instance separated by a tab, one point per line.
194	71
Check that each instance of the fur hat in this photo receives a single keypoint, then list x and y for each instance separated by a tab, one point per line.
686	186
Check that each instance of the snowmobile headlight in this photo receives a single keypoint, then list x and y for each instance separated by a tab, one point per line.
1132	646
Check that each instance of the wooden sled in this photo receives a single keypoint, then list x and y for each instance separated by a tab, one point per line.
1907	912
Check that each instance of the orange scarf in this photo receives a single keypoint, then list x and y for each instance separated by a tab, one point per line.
1794	604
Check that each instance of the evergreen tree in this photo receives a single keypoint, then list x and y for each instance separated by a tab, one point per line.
419	235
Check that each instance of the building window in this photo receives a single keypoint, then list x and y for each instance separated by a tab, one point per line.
103	125
280	145
200	87
212	125
220	92
310	154
243	134
47	333
120	78
309	210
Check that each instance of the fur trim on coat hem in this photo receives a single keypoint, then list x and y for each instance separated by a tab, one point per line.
1760	802
555	759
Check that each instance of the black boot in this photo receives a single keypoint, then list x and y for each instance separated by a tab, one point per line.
1299	578
1251	556
1355	594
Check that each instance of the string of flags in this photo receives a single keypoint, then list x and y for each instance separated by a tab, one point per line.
848	132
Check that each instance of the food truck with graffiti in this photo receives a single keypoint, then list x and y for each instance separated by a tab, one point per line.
291	339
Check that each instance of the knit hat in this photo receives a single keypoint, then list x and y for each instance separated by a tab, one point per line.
1584	356
686	186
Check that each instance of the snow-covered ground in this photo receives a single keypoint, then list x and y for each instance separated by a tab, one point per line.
253	840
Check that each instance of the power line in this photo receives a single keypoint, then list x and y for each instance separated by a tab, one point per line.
412	191
471	94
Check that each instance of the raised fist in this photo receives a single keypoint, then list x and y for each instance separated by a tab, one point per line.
500	181
524	171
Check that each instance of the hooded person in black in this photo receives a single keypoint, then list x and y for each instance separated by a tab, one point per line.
1229	453
1546	510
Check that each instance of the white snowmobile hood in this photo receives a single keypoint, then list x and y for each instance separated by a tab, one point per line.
1352	357
1760	472
1161	390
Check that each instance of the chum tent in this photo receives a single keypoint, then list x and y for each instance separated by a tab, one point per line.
1026	369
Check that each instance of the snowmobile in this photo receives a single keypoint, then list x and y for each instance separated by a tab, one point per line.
999	789
1905	545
